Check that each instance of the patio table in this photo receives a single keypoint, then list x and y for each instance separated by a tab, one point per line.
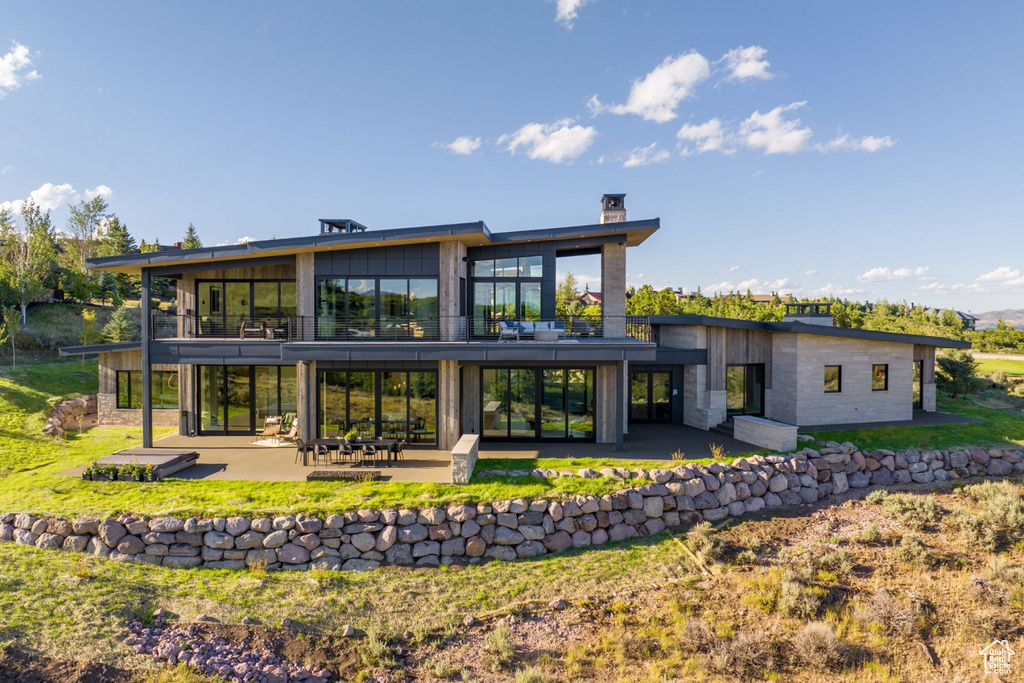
334	444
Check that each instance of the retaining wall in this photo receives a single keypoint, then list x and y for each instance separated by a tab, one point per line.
650	502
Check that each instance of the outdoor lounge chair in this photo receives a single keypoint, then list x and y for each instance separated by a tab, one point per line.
271	429
507	331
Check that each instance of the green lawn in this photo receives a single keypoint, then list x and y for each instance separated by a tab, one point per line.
1011	368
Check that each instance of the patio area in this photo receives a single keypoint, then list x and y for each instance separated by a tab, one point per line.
235	457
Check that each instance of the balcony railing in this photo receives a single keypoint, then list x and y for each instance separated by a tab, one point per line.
450	329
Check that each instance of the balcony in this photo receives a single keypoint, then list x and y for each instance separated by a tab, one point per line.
623	329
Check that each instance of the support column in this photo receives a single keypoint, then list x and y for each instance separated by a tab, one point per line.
471	407
305	395
453	270
622	376
305	295
147	379
609	404
187	400
613	290
448	394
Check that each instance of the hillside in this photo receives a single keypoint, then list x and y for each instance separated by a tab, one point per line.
1013	316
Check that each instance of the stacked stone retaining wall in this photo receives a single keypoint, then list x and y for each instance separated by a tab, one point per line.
363	540
71	414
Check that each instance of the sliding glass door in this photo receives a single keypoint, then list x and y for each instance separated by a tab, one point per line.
396	405
744	389
650	397
237	399
537	403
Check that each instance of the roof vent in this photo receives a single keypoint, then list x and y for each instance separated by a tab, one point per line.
815	313
340	225
613	208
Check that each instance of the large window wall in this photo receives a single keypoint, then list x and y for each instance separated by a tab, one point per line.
237	399
506	289
225	304
392	404
377	307
537	403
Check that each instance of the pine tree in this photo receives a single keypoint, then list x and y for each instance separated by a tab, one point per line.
118	242
122	326
191	240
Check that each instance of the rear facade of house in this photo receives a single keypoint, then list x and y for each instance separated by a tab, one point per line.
432	332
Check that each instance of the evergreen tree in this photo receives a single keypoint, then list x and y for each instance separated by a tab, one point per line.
957	373
122	326
191	240
117	242
9	320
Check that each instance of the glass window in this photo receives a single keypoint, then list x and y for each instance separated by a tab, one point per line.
423	407
265	300
129	389
394	300
529	308
917	386
483	268
288	299
506	267
552	407
165	389
333	404
879	378
495	402
211	398
406	407
580	403
735	389
833	379
531	266
362	403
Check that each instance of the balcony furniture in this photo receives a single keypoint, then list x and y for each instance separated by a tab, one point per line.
363	449
252	329
507	331
546	335
271	429
581	328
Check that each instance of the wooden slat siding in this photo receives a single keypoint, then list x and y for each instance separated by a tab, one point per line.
716	359
750	346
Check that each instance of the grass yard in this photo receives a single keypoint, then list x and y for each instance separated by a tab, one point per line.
1011	368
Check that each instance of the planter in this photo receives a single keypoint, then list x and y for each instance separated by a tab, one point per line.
87	476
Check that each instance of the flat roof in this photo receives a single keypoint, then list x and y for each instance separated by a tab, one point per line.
111	347
805	328
470	234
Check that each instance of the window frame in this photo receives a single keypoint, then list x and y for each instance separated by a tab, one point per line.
131	395
885	376
839	379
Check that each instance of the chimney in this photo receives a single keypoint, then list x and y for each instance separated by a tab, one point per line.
613	208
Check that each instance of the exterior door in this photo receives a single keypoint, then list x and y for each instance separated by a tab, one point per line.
650	397
744	389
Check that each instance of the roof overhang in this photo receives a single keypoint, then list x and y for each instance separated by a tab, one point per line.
100	348
470	234
804	328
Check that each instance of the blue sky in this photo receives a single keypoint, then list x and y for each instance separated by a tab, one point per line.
863	149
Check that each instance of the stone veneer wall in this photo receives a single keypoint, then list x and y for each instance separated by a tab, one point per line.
364	539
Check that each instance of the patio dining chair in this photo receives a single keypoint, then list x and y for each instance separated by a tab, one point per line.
301	448
399	450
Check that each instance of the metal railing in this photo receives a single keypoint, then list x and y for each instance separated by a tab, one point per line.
384	329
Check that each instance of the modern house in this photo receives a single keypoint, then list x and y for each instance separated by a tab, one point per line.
433	332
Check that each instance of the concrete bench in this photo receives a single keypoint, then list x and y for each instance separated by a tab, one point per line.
777	436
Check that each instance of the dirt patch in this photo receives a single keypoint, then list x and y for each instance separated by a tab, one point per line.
19	667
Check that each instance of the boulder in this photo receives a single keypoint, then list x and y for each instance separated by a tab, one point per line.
131	545
412	533
236	526
166	524
290	553
217	540
276	539
355	565
111	532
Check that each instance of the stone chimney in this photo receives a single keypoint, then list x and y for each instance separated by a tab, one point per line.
613	208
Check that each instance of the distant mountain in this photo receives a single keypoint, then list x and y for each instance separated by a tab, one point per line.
1013	316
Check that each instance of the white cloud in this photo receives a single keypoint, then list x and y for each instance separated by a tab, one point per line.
709	136
775	134
656	96
834	290
747	62
567	11
12	69
755	286
885	274
642	156
6	169
555	142
810	273
462	145
730	269
49	197
1000	274
844	143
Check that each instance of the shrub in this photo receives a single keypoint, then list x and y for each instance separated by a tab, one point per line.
718	451
838	562
818	647
877	496
499	644
894	617
678	455
698	636
748	655
999	521
914	551
796	600
869	534
530	675
912	510
703	543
